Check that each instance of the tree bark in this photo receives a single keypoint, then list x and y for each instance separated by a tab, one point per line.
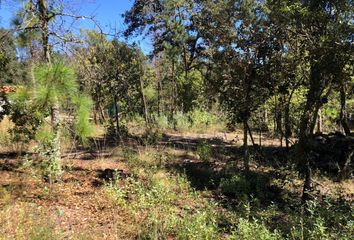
287	124
319	122
143	99
55	121
245	146
313	97
43	10
117	118
343	114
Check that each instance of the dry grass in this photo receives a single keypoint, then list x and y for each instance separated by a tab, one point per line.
149	198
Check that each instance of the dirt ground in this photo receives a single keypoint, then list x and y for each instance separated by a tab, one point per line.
78	205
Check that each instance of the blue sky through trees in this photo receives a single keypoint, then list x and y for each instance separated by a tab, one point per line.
107	12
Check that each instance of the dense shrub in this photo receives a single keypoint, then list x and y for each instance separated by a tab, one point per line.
204	151
181	121
251	230
240	185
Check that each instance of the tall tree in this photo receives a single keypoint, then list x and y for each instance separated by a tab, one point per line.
44	17
322	29
241	45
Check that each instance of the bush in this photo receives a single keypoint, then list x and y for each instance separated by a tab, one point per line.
162	121
326	220
242	186
201	225
151	136
204	151
247	230
181	121
201	119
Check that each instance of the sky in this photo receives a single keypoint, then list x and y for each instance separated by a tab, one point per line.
106	12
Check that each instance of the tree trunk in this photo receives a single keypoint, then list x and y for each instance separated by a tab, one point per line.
251	136
117	118
174	91
159	98
319	122
317	105
101	111
54	161
260	137
313	97
343	114
308	185
287	124
143	99
43	10
279	128
245	146
55	151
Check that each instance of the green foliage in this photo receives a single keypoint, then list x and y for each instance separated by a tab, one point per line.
54	83
151	136
244	186
323	220
191	90
12	71
82	125
203	120
50	166
131	157
162	121
204	151
196	120
201	225
250	230
157	199
181	121
25	114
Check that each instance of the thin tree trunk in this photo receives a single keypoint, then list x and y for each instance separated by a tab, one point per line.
278	120
43	10
159	99
174	91
260	137
143	99
313	97
319	122
245	146
275	115
101	111
55	121
343	115
117	118
287	124
319	103
251	136
308	184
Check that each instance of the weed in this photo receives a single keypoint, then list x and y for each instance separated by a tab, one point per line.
162	122
26	222
250	230
204	151
244	186
181	122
